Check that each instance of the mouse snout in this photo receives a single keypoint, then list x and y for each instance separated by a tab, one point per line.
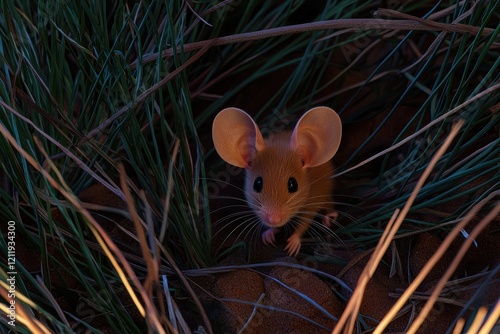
274	218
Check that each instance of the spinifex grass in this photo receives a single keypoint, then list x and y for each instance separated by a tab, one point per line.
65	71
103	83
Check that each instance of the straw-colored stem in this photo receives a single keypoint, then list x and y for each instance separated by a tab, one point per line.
389	233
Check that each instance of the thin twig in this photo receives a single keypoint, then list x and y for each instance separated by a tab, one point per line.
117	191
144	95
425	128
254	311
415	23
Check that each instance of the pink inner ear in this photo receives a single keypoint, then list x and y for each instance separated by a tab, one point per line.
236	137
317	135
247	157
307	146
247	151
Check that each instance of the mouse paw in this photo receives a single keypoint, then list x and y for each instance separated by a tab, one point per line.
327	218
293	245
268	237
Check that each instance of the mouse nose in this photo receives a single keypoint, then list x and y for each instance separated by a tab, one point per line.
274	218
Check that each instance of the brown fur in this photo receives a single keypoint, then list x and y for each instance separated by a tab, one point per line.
276	164
302	154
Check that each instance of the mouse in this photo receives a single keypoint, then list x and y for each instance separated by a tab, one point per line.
288	174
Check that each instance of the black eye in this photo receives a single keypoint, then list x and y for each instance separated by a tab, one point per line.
292	185
258	184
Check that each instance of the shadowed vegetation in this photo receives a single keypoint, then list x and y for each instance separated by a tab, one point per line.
106	157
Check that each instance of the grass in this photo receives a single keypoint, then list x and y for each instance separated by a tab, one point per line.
119	95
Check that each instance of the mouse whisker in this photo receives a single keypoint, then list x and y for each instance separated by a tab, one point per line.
229	217
252	231
222	184
321	230
245	223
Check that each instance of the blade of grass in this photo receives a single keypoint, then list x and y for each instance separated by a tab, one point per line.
354	304
104	240
433	260
453	266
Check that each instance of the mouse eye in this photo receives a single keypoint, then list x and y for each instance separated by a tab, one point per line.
258	184
292	185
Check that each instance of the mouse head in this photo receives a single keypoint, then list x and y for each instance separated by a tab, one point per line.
277	183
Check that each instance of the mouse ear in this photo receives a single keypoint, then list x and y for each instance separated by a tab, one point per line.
317	135
236	137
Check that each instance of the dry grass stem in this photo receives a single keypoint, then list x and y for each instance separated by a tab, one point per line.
109	247
24	317
492	319
352	308
454	264
151	265
476	97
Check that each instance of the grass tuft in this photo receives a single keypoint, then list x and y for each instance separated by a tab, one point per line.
106	164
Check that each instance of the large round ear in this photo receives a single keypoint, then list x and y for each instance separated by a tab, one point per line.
317	135
236	137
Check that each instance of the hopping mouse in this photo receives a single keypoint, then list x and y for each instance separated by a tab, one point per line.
289	174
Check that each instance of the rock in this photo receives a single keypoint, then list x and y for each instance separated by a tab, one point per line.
284	299
425	247
244	285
